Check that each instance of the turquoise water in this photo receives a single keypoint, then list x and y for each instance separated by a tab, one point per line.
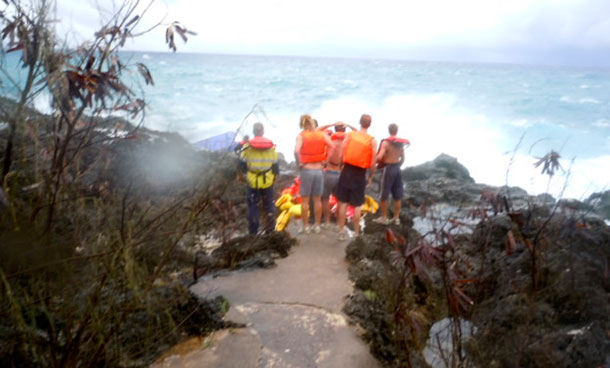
483	114
480	113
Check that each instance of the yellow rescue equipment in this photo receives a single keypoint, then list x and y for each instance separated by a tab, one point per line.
289	209
370	205
289	206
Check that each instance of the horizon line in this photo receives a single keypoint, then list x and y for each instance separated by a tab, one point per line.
382	58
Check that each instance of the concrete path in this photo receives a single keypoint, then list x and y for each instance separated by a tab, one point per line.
292	312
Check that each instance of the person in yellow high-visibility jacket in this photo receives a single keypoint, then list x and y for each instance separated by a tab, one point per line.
260	160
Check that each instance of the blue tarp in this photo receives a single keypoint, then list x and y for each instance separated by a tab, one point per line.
221	142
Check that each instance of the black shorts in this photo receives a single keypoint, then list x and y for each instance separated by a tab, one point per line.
391	182
351	185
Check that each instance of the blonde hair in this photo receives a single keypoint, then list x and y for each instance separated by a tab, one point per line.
306	122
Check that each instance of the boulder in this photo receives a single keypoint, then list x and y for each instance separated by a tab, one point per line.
444	166
600	202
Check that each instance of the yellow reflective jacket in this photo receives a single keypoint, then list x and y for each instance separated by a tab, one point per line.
260	162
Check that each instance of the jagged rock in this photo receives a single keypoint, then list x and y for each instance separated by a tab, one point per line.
561	324
444	166
442	180
493	232
367	273
601	203
545	199
247	252
366	247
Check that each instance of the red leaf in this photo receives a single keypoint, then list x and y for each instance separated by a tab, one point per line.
462	298
466	281
511	244
390	237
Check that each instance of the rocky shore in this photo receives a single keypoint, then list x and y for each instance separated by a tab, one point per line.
481	275
475	274
520	280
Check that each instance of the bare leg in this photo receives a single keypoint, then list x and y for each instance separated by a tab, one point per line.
397	205
357	220
317	207
326	210
384	208
305	212
341	216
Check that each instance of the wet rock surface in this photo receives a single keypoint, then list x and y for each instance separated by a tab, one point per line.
155	179
245	252
563	321
600	202
292	313
375	300
536	270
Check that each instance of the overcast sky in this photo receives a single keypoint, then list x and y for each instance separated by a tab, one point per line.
514	31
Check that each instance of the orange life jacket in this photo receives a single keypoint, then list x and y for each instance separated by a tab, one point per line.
395	139
261	143
338	136
314	147
358	151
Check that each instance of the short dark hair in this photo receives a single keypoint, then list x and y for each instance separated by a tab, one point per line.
393	129
258	129
340	127
365	120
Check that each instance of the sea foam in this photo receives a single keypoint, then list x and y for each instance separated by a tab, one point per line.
481	114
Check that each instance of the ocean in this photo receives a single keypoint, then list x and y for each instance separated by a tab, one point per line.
496	119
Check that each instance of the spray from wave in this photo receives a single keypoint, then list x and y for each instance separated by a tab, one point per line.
436	123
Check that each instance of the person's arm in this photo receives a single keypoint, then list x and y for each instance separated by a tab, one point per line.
329	142
329	146
242	167
297	150
351	127
373	158
402	156
324	127
382	151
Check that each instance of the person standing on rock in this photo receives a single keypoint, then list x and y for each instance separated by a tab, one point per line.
311	152
358	155
390	157
333	166
260	160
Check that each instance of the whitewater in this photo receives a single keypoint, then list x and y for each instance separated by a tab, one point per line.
496	119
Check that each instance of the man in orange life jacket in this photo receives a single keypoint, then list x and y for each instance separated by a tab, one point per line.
333	165
391	155
311	152
260	160
358	155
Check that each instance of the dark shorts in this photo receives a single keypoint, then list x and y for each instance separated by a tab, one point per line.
331	178
351	185
391	182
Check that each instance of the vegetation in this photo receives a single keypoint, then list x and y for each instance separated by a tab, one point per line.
90	234
497	279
